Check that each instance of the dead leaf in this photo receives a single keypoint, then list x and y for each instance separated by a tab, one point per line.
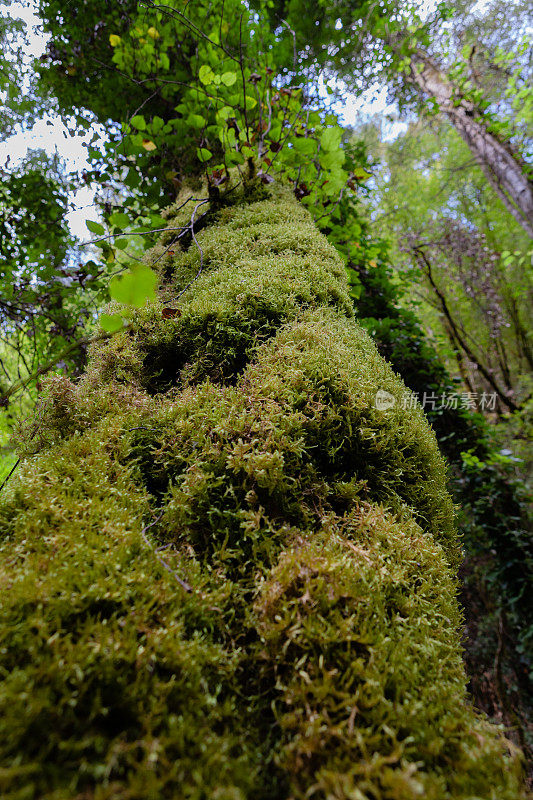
170	313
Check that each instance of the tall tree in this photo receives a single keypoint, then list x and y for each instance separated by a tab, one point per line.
434	204
503	166
360	41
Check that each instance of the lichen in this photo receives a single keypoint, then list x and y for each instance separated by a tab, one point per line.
298	637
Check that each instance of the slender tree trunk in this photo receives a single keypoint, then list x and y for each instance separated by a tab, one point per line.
459	356
425	264
502	167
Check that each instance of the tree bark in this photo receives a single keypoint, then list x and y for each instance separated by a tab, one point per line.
502	167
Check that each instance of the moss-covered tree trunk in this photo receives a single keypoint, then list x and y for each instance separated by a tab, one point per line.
299	636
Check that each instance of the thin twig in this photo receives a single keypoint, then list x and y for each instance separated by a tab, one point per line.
142	428
200	268
23	382
132	233
12	470
17	462
184	585
173	12
241	66
183	229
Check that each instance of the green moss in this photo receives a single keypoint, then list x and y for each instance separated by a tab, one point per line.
359	627
299	634
257	268
111	675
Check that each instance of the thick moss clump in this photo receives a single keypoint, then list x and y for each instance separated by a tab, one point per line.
226	573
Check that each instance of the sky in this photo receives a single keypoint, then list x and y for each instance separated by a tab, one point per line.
50	134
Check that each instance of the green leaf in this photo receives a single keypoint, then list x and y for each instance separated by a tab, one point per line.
119	219
133	179
226	112
203	154
134	288
138	122
157	221
332	160
114	40
334	183
95	227
330	138
111	322
232	157
196	120
361	174
306	147
206	74
228	78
